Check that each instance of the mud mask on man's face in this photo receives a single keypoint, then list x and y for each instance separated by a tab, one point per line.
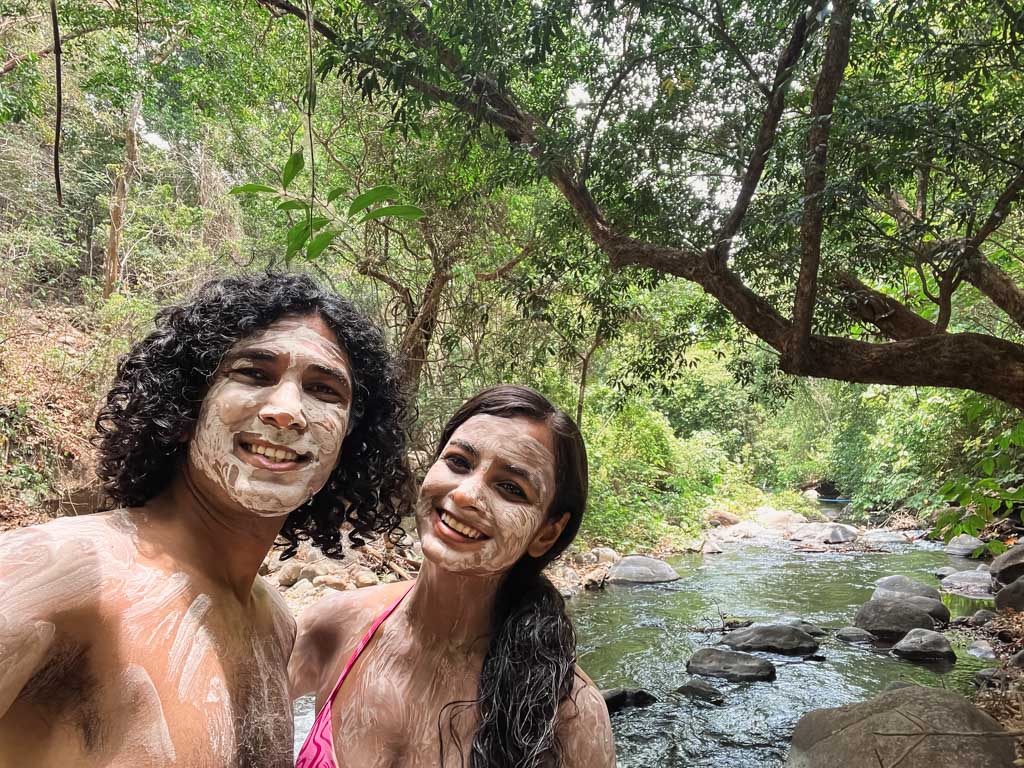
271	426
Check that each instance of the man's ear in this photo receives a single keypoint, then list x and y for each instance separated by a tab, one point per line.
547	536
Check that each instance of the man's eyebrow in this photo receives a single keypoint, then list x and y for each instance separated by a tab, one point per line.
251	353
336	373
467	447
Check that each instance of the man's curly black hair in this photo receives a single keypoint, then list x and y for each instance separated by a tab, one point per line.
161	383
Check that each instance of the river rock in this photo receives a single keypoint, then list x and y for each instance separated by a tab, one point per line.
323	567
606	555
792	620
883	536
924	645
729	665
945	571
825	533
696	688
364	577
710	547
775	638
288	574
855	635
981	649
983	567
747	529
782	520
968	583
621	698
898	587
934	608
982	617
640	569
1011	597
963	545
895	685
1017	660
891	619
301	589
851	736
1009	566
719	517
339	581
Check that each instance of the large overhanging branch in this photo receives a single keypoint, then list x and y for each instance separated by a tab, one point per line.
884	312
923	356
837	54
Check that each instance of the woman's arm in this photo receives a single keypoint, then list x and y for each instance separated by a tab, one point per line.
317	640
585	730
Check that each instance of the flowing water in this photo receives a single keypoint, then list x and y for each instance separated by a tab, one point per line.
642	636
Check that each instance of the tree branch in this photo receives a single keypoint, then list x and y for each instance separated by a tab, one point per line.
17	60
505	268
884	312
788	60
837	54
60	101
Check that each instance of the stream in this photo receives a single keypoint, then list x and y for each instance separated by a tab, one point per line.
642	636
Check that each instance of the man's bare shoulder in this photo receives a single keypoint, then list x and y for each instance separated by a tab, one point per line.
584	727
277	615
336	617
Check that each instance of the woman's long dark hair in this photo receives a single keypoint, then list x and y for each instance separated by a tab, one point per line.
529	667
161	383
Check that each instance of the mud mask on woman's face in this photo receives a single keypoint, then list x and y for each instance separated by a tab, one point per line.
484	502
271	426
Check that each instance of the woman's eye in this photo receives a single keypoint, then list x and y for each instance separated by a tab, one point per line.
513	490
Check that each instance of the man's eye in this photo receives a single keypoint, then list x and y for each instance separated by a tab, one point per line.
456	462
251	373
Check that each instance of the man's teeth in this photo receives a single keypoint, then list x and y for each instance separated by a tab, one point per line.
465	530
278	454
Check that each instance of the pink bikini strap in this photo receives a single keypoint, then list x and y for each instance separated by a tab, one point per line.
362	645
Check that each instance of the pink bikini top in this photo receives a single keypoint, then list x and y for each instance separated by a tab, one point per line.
318	748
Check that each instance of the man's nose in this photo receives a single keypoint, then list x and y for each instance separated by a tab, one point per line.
283	407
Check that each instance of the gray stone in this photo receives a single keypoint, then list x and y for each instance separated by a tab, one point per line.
895	685
320	568
849	736
968	583
882	536
366	578
982	617
991	677
775	638
981	649
963	545
1009	566
621	698
698	689
748	529
302	588
719	517
288	574
710	547
729	665
855	635
895	587
825	533
982	567
792	620
891	619
778	519
1017	660
1011	597
640	569
924	645
606	555
934	608
945	571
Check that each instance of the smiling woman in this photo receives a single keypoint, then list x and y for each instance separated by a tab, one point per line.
475	664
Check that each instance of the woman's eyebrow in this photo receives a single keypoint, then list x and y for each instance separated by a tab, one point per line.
526	474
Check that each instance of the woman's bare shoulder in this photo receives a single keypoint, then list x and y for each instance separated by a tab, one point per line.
584	728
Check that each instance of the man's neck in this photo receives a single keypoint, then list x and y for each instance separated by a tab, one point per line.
223	545
450	612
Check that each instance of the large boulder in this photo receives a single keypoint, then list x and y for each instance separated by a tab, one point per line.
729	665
934	608
696	688
792	620
775	638
720	517
968	583
891	619
825	533
605	555
854	736
897	587
944	571
855	635
883	537
963	545
924	645
748	529
1009	566
641	569
621	698
1011	597
782	520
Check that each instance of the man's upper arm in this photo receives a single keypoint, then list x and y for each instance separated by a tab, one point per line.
585	730
43	577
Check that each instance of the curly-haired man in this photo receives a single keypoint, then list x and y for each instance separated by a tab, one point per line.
263	407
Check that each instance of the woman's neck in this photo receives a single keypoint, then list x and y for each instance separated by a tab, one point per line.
450	612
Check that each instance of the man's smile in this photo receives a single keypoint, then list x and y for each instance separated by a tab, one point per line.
266	455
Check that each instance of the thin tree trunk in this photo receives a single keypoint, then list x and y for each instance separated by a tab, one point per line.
122	184
584	369
417	337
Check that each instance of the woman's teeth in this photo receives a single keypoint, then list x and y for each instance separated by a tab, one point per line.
278	454
465	530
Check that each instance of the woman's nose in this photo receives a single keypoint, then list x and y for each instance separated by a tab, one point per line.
468	494
283	408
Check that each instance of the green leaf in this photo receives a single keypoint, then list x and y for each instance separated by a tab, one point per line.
335	193
291	168
407	212
988	465
252	189
293	205
297	237
319	243
371	196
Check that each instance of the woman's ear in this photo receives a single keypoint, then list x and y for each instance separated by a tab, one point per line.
547	536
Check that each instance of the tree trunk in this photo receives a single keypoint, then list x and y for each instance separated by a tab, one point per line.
119	199
417	337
